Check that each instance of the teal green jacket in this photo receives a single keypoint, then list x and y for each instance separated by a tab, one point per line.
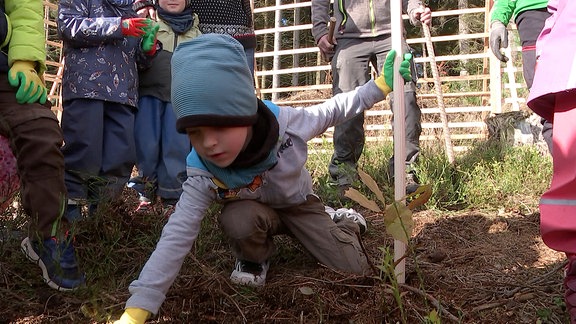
504	10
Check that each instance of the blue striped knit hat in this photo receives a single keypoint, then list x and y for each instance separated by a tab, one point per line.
212	84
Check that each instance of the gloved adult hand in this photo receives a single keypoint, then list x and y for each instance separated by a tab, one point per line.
133	316
149	39
135	27
386	79
498	39
23	75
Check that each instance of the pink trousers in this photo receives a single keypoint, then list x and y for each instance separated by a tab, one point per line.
558	204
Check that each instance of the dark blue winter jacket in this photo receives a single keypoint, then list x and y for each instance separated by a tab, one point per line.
100	63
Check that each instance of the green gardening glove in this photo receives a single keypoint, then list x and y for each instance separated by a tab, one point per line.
23	75
149	39
133	316
386	79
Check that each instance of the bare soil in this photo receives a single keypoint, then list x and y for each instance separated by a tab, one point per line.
468	266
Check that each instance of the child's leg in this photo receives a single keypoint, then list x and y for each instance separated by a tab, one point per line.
333	244
36	140
147	138
118	137
558	204
175	149
250	227
82	124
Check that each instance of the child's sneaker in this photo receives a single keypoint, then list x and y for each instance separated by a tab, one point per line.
57	261
340	213
146	190
144	204
250	273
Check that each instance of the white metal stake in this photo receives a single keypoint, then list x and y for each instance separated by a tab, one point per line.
399	128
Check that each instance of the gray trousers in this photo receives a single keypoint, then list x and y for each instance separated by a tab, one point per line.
251	225
350	69
530	23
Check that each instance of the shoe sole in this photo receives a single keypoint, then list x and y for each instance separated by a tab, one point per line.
240	278
27	249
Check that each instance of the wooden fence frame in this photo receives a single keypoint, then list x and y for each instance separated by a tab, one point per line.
379	129
378	124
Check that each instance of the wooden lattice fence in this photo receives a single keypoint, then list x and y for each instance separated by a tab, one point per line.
289	70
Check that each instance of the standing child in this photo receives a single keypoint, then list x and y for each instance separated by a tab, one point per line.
553	96
250	156
35	139
160	150
232	17
102	43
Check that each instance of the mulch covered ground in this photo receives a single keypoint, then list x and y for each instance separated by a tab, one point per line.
468	267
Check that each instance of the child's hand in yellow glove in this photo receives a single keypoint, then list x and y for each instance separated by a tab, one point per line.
133	316
23	76
386	79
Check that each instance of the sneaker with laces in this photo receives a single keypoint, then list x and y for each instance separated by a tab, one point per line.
57	261
250	273
338	214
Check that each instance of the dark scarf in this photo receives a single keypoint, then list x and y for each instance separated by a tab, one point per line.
179	22
264	139
260	154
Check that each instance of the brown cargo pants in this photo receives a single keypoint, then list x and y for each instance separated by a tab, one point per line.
35	138
251	225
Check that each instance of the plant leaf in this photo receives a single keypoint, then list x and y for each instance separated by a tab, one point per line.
398	221
372	185
433	317
420	196
362	200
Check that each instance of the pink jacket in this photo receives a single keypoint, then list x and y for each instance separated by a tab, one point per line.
556	64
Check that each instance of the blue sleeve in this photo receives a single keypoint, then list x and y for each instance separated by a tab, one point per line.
77	28
4	28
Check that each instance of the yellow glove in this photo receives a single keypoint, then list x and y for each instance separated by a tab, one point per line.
386	79
133	316
23	76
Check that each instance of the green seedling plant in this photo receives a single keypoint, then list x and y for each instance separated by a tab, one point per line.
399	224
397	215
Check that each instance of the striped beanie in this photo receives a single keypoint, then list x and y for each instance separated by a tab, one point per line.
212	84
